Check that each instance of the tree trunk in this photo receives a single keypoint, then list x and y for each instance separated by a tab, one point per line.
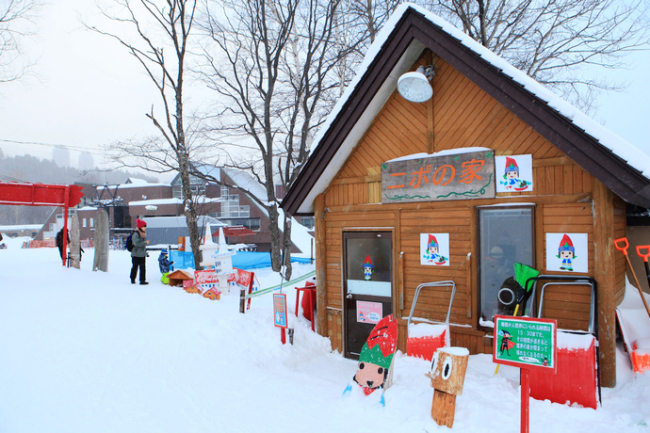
286	246
75	248
100	242
190	211
276	247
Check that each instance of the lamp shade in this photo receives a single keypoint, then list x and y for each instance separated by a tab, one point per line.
414	86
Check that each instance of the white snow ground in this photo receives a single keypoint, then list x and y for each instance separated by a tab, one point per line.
84	351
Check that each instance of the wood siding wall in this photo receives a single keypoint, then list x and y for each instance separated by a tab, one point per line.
461	115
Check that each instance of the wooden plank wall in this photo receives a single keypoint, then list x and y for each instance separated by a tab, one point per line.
620	265
462	116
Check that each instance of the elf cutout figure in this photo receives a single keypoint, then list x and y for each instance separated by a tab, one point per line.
511	177
431	253
567	253
375	362
367	268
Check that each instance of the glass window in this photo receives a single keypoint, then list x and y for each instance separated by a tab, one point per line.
92	222
83	222
368	265
506	237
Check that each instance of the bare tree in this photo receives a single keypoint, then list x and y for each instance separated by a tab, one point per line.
15	18
551	40
161	27
274	67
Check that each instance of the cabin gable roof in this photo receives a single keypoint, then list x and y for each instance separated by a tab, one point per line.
620	166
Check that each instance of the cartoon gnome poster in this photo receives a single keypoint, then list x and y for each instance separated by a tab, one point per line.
514	173
434	249
567	252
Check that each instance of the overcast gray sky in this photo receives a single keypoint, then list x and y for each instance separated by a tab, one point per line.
89	91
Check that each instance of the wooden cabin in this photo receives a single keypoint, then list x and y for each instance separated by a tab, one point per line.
580	177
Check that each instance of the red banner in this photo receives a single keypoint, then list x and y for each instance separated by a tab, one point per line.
243	278
206	277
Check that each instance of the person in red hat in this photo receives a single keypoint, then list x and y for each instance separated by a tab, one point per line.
566	252
139	252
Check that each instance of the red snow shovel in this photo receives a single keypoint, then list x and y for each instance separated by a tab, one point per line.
622	245
645	256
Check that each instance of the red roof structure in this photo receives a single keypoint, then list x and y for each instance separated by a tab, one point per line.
38	194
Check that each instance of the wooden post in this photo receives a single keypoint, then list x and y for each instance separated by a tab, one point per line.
605	275
447	380
443	408
321	265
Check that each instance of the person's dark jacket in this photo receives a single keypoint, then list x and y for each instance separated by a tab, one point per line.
139	245
59	238
163	263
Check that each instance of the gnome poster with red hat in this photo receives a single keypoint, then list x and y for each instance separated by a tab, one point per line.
567	252
434	249
515	173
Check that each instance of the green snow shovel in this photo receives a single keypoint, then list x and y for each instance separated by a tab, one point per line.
523	273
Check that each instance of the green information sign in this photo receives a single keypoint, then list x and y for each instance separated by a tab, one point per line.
525	342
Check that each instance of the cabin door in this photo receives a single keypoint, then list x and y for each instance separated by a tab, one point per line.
367	286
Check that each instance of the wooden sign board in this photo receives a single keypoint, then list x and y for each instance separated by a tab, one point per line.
458	176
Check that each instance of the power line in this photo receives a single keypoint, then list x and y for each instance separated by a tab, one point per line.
55	146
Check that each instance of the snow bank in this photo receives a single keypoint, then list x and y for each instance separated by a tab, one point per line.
87	351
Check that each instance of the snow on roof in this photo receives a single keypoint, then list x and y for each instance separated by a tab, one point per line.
135	180
179	221
633	155
20	227
441	153
131	185
248	182
620	147
161	201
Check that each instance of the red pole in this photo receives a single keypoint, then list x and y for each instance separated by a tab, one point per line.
284	337
65	224
525	397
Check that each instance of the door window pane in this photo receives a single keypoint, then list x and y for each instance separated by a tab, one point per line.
368	266
506	237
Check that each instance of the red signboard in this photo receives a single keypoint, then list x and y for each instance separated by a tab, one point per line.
206	277
39	194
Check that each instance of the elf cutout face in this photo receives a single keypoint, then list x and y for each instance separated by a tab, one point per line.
371	376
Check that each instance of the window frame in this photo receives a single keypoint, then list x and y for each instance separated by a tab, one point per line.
532	207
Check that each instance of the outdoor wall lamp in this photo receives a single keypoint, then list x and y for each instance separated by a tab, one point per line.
414	86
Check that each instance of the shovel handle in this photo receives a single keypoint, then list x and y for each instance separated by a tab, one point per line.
622	248
645	256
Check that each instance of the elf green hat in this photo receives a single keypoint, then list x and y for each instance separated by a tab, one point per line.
374	356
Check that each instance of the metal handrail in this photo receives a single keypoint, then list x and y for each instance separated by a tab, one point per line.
592	313
434	284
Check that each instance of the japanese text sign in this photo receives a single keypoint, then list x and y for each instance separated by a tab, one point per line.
280	310
458	176
206	277
525	342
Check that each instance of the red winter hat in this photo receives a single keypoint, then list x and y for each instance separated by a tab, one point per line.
511	165
140	223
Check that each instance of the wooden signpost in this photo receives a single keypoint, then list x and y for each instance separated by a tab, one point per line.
457	176
526	343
